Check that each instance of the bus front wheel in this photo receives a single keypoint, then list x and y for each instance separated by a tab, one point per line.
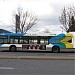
55	49
12	48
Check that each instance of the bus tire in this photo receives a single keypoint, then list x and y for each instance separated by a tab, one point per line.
55	49
12	48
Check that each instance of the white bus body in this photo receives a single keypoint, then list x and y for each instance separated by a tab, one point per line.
37	42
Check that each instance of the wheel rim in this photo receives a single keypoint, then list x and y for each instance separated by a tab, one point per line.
13	49
55	49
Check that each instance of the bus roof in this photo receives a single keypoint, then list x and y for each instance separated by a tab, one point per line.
11	34
41	34
23	34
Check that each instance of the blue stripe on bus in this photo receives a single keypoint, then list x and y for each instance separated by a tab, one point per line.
56	41
12	34
1	44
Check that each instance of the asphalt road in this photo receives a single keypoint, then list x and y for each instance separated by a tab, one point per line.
37	67
33	53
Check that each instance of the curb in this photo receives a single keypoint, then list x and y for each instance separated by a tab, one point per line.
39	57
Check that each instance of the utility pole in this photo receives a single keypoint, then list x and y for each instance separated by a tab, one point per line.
17	23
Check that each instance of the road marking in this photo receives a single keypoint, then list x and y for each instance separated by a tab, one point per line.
6	68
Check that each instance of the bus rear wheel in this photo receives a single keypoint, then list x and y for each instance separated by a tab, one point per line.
55	49
12	48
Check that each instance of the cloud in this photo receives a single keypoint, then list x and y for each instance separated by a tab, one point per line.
39	7
51	28
48	11
49	20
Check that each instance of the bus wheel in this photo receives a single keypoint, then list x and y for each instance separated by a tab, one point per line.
55	49
12	48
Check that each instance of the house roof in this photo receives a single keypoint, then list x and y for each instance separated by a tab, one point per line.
4	31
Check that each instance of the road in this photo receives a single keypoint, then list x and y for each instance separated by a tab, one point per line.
37	67
42	53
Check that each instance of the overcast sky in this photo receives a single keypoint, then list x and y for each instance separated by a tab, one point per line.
48	12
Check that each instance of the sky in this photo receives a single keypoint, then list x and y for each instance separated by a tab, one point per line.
47	11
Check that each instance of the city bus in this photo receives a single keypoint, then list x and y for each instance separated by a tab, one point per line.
36	42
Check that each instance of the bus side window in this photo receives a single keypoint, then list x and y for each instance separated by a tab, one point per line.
1	40
33	40
25	42
21	41
11	40
44	40
6	40
16	41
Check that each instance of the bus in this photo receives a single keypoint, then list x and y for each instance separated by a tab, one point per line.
36	42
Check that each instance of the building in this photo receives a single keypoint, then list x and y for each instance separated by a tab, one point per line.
4	31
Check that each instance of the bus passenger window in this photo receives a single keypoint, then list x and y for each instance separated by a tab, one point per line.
25	42
31	41
35	41
11	41
1	40
21	41
46	41
5	40
42	41
16	41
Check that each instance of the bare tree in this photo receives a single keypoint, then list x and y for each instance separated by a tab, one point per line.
27	20
67	18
